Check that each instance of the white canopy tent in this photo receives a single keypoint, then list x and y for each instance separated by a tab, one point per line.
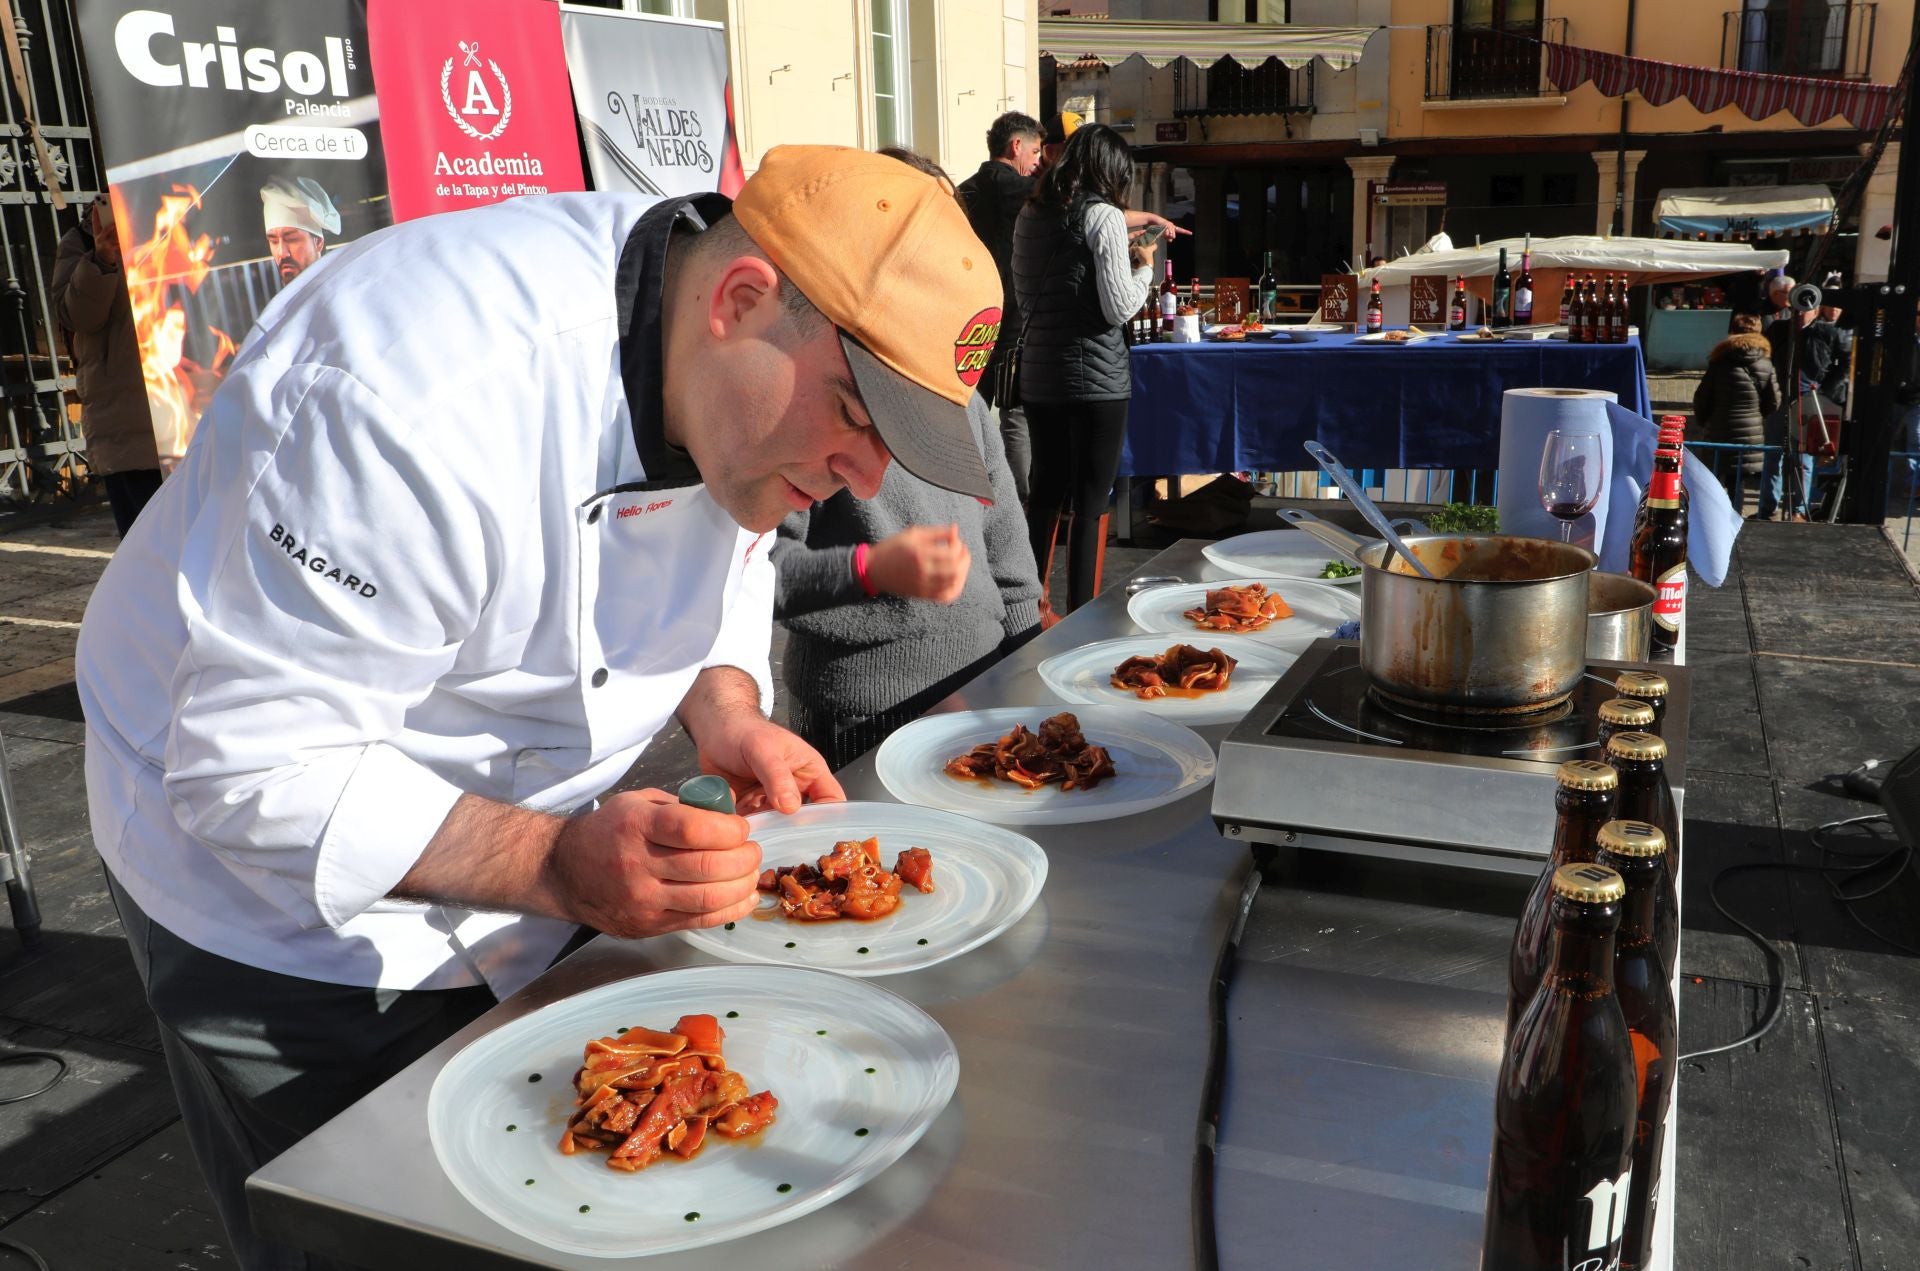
1643	260
1744	212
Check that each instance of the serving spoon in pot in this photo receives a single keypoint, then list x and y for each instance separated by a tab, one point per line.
1358	497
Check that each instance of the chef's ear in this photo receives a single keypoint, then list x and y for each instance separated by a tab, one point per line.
745	299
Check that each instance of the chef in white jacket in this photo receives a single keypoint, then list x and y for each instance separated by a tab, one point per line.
473	517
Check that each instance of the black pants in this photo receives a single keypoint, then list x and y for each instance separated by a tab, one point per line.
1076	456
128	492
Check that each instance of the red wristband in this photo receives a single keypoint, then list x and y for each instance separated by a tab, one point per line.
860	569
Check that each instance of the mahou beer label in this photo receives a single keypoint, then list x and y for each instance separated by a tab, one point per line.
975	346
1670	598
1606	1222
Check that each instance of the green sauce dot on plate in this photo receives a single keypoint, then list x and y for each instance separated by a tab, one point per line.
869	1070
860	1133
733	1014
729	926
790	944
529	1183
693	1215
819	1032
533	1076
861	949
784	1187
923	939
512	1128
585	1208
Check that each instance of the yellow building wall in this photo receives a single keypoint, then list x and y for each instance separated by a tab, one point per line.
803	71
1686	31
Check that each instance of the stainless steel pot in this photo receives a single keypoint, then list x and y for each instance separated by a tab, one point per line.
1619	618
1500	628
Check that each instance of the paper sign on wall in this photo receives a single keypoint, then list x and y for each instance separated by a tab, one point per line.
1339	298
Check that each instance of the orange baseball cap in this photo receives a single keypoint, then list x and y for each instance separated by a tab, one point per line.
885	252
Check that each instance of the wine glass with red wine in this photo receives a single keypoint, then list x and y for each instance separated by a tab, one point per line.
1570	476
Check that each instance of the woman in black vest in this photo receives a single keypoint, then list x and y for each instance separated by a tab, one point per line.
1078	280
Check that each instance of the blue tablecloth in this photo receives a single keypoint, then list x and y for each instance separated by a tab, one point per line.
1247	407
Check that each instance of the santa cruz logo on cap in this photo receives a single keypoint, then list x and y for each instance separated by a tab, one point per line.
975	345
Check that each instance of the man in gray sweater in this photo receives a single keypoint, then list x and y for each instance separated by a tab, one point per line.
892	603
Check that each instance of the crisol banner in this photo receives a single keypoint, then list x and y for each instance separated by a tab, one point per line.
652	99
475	95
242	143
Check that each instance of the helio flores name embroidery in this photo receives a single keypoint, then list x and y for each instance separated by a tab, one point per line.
314	562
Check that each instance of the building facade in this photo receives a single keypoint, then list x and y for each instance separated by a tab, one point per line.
929	75
1449	123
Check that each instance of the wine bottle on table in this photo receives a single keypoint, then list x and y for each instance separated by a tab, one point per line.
1268	290
1523	288
1169	304
1502	295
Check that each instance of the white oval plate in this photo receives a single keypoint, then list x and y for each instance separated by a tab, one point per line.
1277	554
1317	610
1085	675
985	878
1155	760
1380	337
825	1095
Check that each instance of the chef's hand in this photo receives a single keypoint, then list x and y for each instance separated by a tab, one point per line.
1142	220
767	766
643	863
922	561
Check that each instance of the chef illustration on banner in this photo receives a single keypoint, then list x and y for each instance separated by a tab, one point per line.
475	101
651	94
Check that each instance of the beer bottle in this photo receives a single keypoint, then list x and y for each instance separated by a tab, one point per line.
1169	304
1502	295
1643	838
1376	313
1568	297
1457	314
1624	715
1564	1107
1658	556
1641	971
1583	800
1523	290
1193	293
1269	289
1641	761
1645	686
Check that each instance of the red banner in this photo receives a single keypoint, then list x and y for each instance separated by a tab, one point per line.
474	102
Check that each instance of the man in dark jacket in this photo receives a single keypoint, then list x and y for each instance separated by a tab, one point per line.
1735	397
993	197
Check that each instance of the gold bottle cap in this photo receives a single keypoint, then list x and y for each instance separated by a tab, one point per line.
1588	774
1641	746
1632	838
1641	684
1626	712
1589	884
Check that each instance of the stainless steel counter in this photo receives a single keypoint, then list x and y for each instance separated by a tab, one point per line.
1364	1012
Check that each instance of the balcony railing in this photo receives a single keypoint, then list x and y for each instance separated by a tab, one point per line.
1466	63
1227	88
1800	37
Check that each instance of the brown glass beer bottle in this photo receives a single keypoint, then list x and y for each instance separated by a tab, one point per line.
1583	801
1645	686
1623	715
1641	970
1641	761
1564	1106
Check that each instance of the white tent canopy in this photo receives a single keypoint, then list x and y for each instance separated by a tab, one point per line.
1649	260
1746	210
1202	43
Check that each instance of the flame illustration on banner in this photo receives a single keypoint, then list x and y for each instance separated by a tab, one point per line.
171	258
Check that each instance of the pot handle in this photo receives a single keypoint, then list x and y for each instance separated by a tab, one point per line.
1347	544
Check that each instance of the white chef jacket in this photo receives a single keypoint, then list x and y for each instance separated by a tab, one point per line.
429	539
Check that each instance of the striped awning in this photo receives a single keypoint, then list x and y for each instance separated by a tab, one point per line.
1810	100
1202	43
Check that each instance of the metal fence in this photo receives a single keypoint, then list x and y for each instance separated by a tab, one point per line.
41	449
1827	40
1481	61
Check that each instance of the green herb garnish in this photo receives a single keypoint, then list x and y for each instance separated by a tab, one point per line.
1338	569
